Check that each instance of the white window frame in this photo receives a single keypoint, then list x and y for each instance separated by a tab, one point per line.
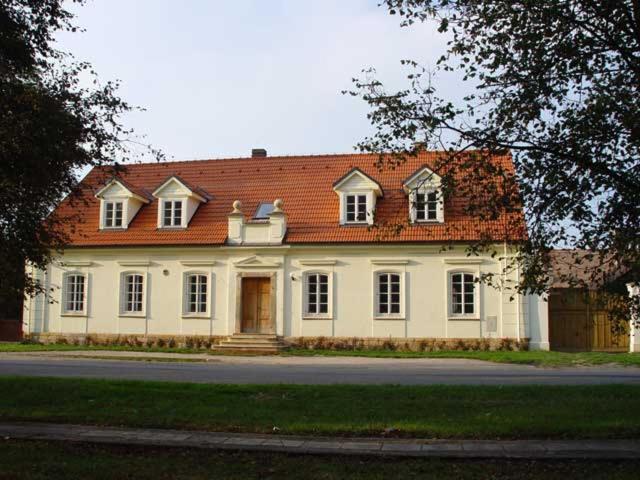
305	295
65	291
124	312
173	202
185	294
376	295
413	205
357	204
476	295
105	204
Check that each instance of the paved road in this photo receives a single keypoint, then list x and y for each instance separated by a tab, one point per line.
317	370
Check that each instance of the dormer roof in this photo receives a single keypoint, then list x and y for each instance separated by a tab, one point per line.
189	190
138	193
355	176
423	174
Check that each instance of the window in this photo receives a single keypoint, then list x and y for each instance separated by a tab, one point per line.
317	294
113	214
172	214
133	293
74	293
356	208
388	294
196	293
462	294
426	206
263	211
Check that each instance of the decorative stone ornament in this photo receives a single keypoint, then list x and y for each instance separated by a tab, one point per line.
277	206
237	208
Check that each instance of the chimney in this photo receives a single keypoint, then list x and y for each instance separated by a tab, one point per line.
258	153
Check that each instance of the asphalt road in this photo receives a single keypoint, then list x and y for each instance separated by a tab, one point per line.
318	370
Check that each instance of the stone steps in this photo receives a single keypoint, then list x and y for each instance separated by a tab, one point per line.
252	343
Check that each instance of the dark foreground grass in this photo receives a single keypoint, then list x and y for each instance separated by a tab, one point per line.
62	461
542	359
351	410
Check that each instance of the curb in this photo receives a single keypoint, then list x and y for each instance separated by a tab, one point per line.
512	449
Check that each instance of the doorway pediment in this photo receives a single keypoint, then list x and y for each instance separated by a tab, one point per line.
256	262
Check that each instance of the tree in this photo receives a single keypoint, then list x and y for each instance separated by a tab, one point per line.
557	83
51	126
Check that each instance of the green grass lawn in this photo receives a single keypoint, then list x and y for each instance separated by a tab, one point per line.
542	359
415	411
56	347
62	461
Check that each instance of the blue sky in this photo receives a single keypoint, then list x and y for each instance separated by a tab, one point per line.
218	78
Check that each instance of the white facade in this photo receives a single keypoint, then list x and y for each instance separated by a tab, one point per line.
425	293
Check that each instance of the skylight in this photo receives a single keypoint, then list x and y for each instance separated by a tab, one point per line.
263	211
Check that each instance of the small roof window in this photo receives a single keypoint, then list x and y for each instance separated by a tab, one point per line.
263	211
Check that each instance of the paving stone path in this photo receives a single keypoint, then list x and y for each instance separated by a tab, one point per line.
532	449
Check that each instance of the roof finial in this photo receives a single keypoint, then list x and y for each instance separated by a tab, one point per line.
237	207
277	206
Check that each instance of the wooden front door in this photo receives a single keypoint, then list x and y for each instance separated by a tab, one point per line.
256	305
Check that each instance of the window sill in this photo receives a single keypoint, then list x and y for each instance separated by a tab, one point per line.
317	317
420	222
132	315
178	227
113	229
471	319
354	224
195	316
73	314
390	317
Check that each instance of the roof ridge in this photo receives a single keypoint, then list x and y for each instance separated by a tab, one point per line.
276	157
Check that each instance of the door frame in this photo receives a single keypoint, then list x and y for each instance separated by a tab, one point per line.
272	308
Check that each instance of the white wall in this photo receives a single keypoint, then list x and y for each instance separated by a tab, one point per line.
423	268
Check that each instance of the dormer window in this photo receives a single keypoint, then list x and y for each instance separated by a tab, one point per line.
177	202
356	208
424	189
172	213
119	203
358	194
113	214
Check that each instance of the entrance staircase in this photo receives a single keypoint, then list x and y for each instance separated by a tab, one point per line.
252	343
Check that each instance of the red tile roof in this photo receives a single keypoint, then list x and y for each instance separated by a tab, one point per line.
304	183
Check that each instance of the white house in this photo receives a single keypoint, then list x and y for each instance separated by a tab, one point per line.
279	246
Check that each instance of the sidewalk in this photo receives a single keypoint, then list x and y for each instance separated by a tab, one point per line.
531	449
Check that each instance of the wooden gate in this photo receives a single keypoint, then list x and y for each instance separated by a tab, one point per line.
579	322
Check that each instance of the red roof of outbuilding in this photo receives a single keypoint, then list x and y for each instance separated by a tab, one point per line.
304	183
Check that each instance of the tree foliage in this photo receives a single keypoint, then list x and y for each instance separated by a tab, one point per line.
56	119
557	83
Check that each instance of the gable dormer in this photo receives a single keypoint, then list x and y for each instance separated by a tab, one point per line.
358	193
426	201
177	202
119	203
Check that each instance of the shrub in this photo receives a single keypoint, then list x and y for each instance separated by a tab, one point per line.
171	343
388	345
320	343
